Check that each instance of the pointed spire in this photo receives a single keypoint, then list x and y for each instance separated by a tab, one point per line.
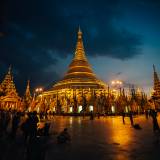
27	95
9	69
156	82
154	69
156	78
8	83
80	53
79	33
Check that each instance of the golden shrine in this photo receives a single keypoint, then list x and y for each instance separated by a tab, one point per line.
79	90
9	99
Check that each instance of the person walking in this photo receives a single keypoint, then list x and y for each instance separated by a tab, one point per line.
131	118
15	123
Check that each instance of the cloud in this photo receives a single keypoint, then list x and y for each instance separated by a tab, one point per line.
39	32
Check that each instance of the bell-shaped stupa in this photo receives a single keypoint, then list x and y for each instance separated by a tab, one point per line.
80	74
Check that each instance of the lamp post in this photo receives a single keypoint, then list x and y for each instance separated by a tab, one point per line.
117	84
38	91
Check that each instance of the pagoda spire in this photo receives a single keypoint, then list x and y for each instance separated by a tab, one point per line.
7	84
27	92
80	53
27	95
9	69
156	78
156	85
80	73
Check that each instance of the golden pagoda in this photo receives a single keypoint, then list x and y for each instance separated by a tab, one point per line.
9	98
27	97
156	89
79	89
80	74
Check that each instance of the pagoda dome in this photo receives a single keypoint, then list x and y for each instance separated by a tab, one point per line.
80	73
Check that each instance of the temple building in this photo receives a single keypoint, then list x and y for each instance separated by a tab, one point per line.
156	89
9	99
79	90
27	97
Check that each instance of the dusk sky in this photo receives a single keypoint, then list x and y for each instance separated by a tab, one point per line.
38	38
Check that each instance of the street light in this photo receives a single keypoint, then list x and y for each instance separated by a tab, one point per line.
117	84
38	91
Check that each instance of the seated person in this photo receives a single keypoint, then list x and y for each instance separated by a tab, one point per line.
64	136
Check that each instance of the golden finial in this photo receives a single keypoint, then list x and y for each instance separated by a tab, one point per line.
79	33
154	69
9	69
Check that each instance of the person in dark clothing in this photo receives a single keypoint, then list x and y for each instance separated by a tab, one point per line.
155	122
91	115
123	116
131	118
36	149
46	129
6	121
15	123
33	125
25	127
2	122
64	136
146	114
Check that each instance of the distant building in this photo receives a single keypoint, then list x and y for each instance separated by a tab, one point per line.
9	99
80	89
156	89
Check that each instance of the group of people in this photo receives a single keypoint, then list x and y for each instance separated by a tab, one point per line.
4	121
7	118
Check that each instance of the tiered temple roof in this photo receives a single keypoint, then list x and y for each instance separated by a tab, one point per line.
8	89
156	83
8	85
27	95
80	73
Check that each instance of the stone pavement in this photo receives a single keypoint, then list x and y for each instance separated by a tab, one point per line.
104	138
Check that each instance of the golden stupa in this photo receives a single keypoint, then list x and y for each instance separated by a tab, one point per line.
80	74
79	88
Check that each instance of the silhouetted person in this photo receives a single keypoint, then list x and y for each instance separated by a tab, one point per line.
98	115
6	121
131	118
33	125
25	127
46	129
155	122
2	122
146	114
64	136
91	115
123	116
15	123
36	149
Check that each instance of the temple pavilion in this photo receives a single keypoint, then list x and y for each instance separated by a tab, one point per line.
79	90
9	99
156	89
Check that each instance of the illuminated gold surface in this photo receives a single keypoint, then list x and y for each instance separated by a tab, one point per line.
79	73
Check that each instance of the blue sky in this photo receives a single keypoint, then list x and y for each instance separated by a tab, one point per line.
121	39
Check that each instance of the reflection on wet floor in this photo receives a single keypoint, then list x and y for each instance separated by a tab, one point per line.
105	138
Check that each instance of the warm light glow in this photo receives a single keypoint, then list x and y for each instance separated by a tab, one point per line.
71	109
38	110
117	82
119	134
90	108
113	82
39	90
113	109
79	108
126	109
